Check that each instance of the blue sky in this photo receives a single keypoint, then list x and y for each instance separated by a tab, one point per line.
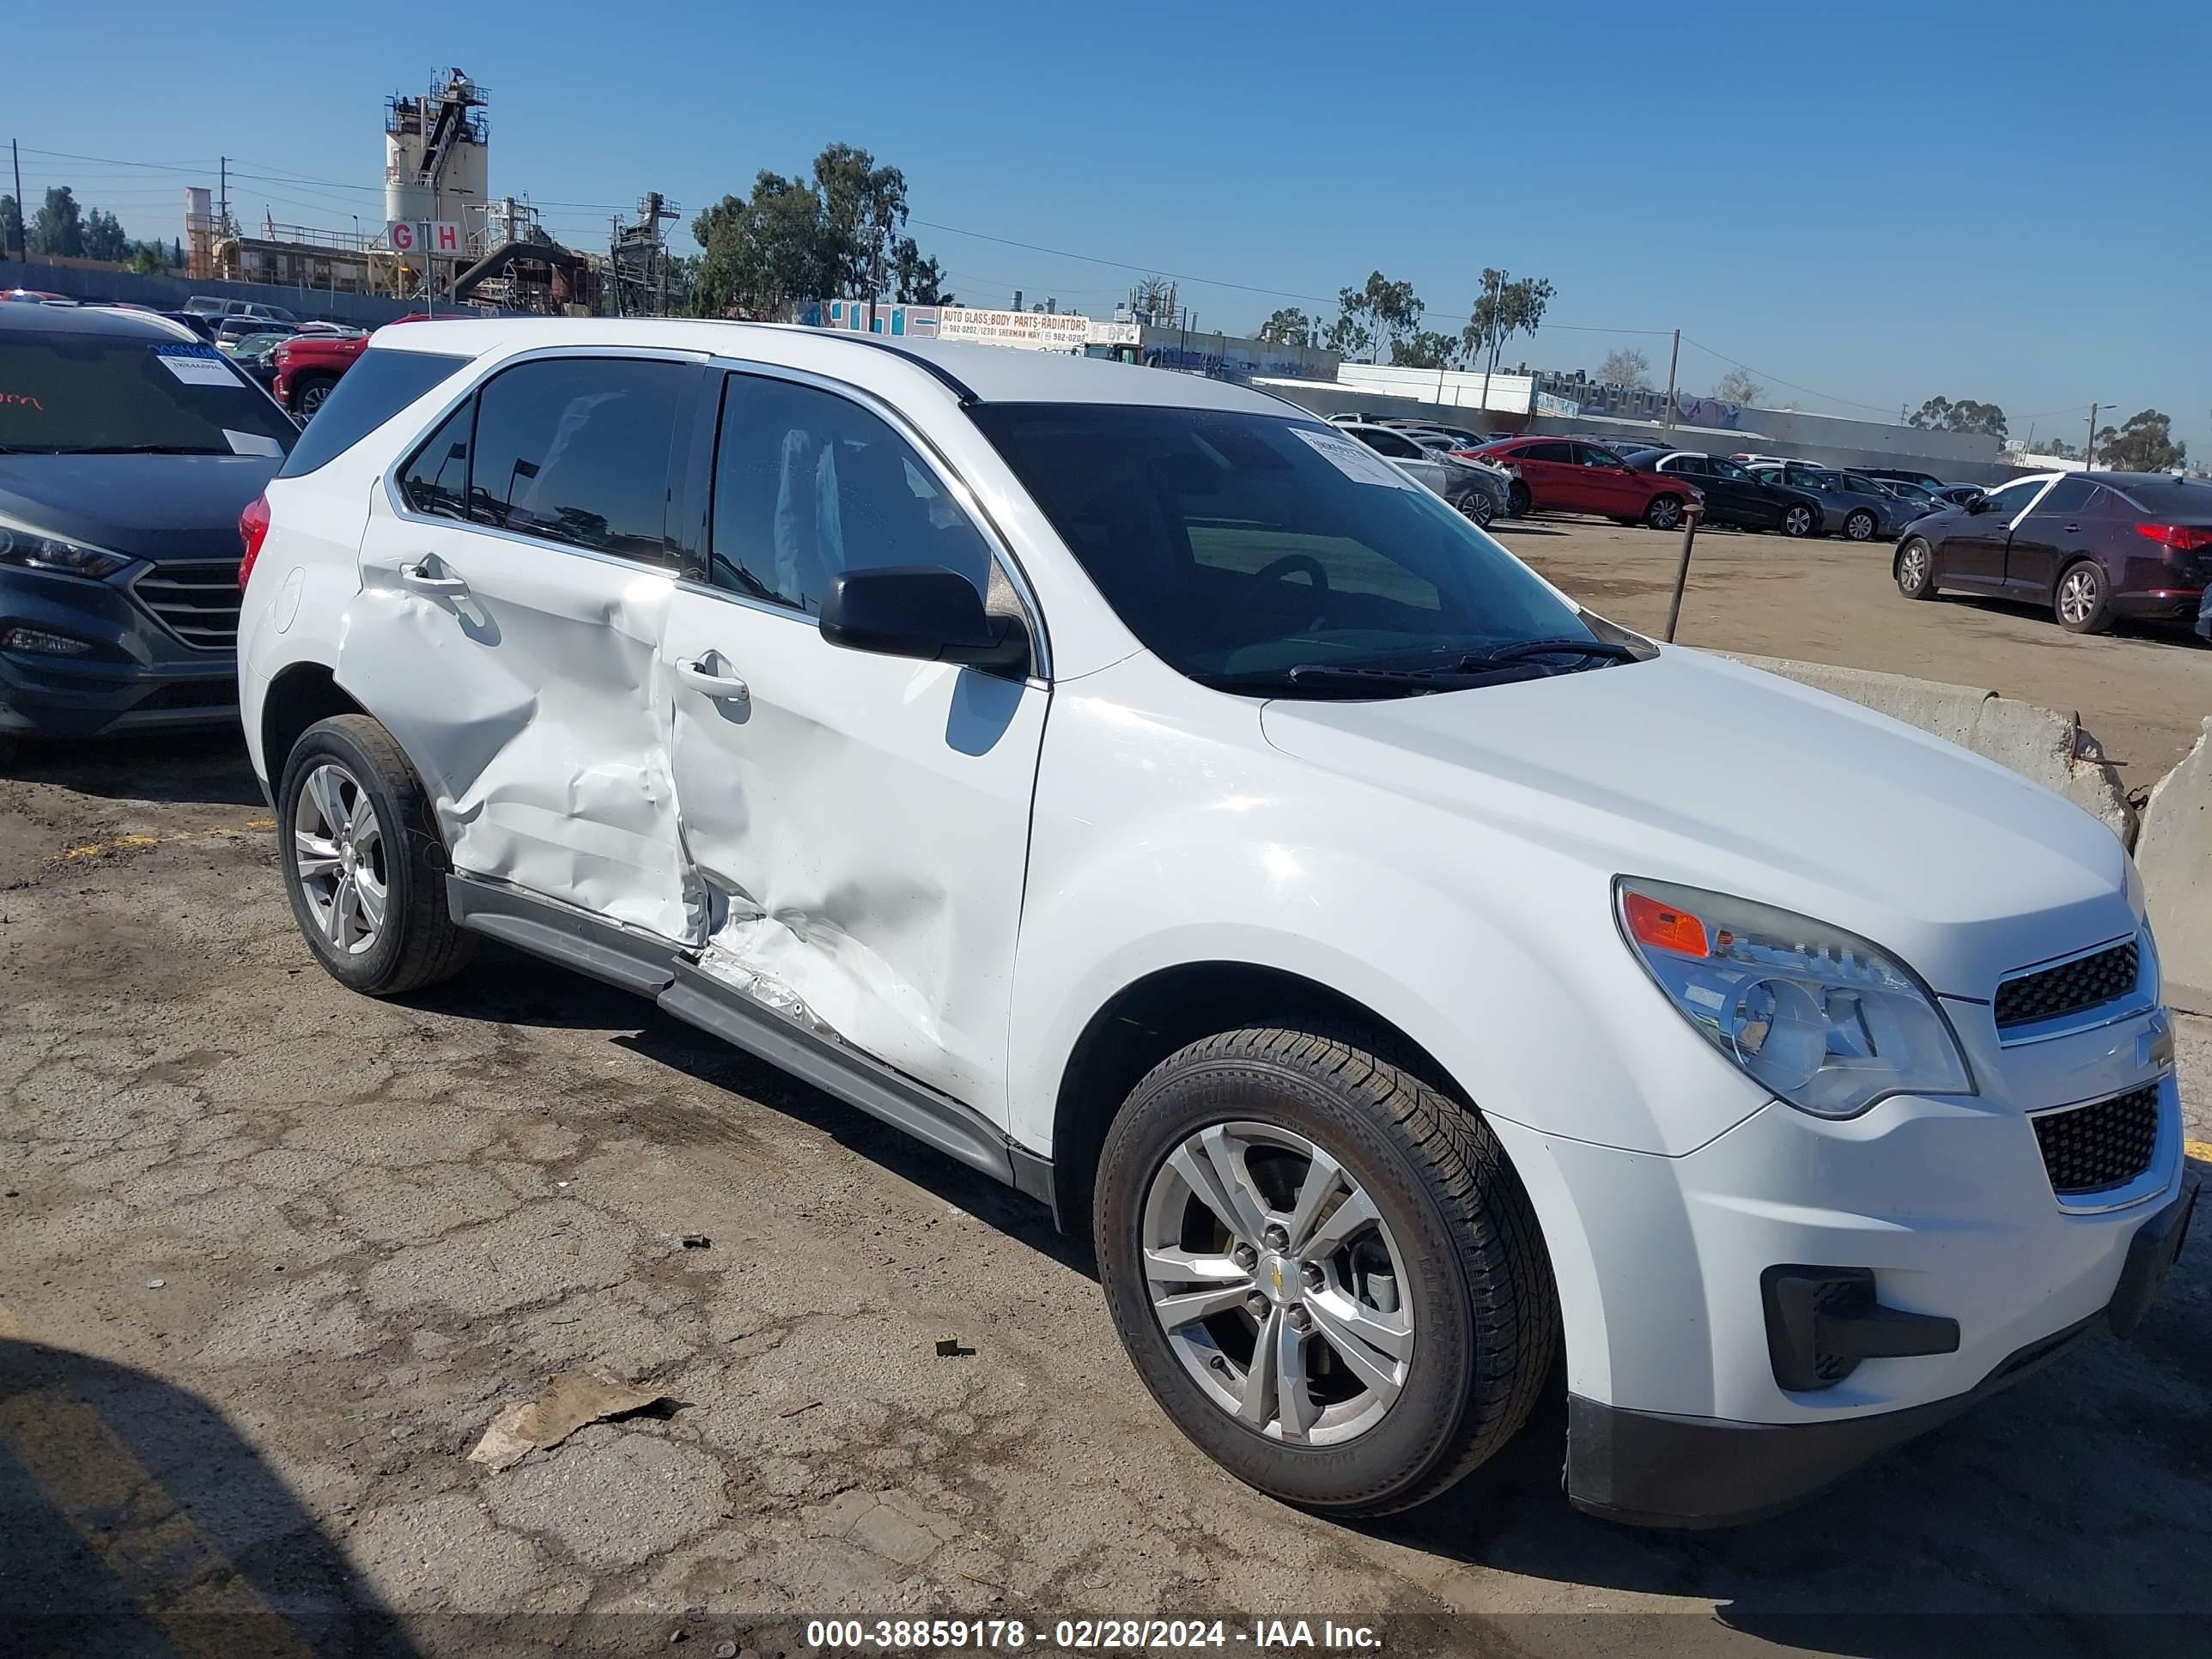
1877	204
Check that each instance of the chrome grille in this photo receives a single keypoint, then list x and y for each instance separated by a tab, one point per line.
2069	988
2095	1148
197	603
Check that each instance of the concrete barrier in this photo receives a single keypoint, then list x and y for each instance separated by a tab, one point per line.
2174	853
2051	749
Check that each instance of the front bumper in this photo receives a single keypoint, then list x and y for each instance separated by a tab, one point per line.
1657	1469
137	675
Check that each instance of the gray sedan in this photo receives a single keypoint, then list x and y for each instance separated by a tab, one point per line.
1475	488
1852	505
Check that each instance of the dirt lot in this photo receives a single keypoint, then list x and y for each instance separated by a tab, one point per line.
2143	692
276	1256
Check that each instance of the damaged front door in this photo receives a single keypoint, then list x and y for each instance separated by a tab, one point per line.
860	823
512	606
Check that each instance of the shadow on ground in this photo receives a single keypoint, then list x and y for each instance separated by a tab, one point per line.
204	767
136	1520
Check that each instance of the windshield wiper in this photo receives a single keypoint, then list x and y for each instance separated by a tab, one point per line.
1608	650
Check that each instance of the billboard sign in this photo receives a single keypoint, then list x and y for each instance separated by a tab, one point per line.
439	235
1026	331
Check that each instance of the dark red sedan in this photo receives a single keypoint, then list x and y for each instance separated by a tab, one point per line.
2094	546
1573	475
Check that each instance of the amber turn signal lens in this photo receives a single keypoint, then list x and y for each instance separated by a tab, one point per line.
1663	927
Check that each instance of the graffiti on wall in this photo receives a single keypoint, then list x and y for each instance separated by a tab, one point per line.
1707	412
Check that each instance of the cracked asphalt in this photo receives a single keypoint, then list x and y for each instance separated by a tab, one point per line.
272	1256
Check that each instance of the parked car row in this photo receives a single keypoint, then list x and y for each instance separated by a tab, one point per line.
1437	458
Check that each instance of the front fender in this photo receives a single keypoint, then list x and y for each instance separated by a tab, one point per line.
1162	841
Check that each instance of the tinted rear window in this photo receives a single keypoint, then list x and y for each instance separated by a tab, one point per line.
2182	498
379	386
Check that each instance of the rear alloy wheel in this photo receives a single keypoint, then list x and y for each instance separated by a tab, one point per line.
1664	513
2083	599
1861	525
311	394
1800	520
1323	1268
1916	569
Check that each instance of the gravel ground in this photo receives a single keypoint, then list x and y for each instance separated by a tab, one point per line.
275	1256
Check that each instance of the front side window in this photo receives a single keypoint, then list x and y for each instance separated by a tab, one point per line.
809	484
92	394
578	450
2013	499
1271	556
1389	443
1591	455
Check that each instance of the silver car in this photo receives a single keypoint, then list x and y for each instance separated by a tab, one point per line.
1476	488
1852	505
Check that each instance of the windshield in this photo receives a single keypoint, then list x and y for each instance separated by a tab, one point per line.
64	393
1263	555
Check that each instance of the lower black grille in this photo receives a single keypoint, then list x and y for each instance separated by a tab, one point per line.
2070	988
197	603
194	694
2093	1149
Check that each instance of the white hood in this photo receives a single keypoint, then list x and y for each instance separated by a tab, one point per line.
1695	769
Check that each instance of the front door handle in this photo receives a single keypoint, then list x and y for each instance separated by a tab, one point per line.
728	687
423	580
2073	528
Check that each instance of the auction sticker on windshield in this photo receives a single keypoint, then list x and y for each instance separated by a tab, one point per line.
198	366
1355	460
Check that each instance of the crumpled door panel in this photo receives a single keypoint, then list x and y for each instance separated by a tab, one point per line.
532	707
859	825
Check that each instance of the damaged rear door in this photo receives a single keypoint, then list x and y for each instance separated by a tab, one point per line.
509	625
859	823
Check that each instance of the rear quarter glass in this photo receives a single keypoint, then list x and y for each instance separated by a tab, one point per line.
379	386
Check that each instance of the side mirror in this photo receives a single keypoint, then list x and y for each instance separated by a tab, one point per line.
1977	504
924	611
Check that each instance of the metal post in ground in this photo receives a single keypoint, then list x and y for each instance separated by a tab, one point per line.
1690	514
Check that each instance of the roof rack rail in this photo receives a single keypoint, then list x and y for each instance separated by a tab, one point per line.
959	387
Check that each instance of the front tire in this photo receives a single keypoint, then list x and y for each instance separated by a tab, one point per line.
1478	506
1916	569
1663	512
2083	600
1861	525
363	864
1322	1267
1519	503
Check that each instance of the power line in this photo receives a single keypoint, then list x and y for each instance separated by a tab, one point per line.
1810	391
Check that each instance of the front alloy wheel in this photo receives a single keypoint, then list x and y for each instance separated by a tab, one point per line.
1278	1283
1860	527
1322	1266
1915	569
1664	513
1478	506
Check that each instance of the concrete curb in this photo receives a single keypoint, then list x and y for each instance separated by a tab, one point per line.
2050	749
2174	854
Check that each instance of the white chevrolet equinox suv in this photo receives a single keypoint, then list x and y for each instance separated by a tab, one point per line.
1423	991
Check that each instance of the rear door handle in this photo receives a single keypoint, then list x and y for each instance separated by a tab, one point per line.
728	687
423	581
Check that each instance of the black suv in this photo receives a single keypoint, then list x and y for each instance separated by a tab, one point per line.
128	449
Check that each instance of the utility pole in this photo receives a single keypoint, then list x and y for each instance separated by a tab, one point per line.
222	194
2089	449
22	209
614	259
1667	415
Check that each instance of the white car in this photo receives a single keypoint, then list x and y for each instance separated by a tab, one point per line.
1145	795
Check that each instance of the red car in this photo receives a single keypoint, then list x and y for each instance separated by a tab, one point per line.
1572	475
308	365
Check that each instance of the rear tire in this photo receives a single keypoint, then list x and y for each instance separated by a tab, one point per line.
9	748
1915	569
363	864
1452	1248
1799	521
308	393
2083	602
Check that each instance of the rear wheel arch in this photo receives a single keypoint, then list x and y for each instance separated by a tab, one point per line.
298	696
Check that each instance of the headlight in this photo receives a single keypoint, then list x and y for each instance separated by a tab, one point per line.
1826	1020
34	549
